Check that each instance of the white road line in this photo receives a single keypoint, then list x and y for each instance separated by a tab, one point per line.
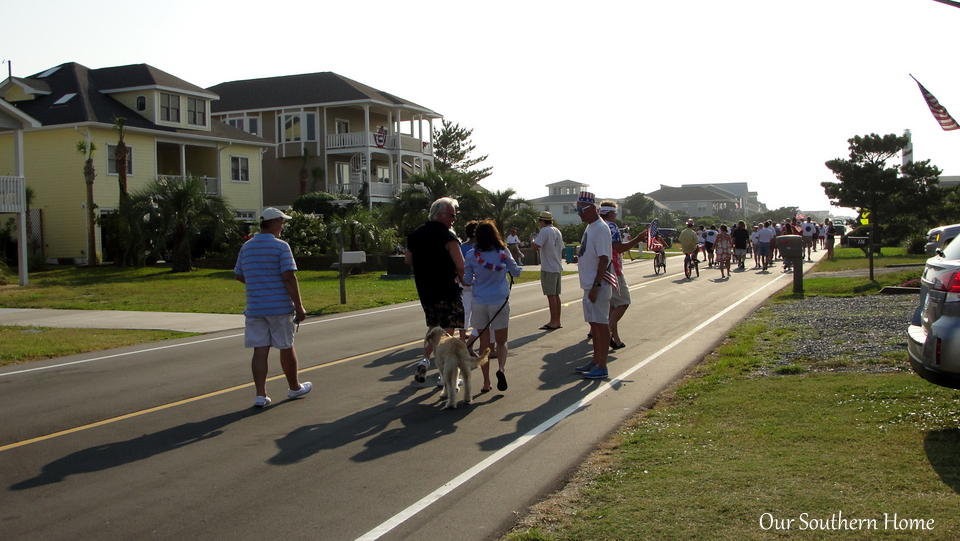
456	482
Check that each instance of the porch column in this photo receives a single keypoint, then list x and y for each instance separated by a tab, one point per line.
22	269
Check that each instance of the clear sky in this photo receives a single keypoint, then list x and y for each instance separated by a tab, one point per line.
624	96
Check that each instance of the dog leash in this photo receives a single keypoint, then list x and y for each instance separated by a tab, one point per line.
473	339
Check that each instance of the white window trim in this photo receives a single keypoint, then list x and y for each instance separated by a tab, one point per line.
206	111
336	125
179	109
111	152
240	181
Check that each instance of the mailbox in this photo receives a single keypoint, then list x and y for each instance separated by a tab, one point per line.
858	242
790	246
354	258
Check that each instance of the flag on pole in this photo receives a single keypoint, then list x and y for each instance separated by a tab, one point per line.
654	228
939	112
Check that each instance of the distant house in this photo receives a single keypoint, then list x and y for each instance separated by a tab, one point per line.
697	200
168	129
562	201
366	141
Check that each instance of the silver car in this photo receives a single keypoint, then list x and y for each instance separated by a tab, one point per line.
940	237
934	334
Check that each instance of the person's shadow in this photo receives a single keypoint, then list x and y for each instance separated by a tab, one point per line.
111	455
942	448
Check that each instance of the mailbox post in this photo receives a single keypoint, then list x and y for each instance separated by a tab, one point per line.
791	246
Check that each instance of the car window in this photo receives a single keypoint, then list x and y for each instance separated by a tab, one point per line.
951	250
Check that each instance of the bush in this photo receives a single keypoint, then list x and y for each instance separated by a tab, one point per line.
916	244
320	203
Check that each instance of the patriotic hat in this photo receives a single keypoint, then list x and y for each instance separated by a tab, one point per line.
587	197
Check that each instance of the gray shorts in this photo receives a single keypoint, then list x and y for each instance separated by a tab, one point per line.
483	313
550	282
622	296
599	311
273	331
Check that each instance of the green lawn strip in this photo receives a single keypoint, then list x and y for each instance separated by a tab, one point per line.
25	344
711	466
155	289
854	258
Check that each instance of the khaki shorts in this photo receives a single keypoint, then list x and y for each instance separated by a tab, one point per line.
807	242
550	282
273	331
482	314
622	296
599	311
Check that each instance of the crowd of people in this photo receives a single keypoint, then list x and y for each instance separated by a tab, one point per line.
465	284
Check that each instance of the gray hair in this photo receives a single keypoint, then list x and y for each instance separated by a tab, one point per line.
444	204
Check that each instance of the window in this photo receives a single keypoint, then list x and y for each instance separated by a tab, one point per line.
141	103
311	119
112	160
196	112
170	107
383	174
239	169
343	126
343	173
247	124
289	128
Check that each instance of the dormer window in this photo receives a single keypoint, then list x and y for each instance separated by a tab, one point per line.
196	112
169	107
141	103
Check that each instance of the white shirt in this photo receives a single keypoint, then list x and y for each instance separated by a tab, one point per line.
596	242
513	239
550	242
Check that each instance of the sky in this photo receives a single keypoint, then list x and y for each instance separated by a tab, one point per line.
623	96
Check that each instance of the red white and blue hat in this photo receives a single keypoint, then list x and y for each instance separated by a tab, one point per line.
587	197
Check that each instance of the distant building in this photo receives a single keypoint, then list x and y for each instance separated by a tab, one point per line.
562	201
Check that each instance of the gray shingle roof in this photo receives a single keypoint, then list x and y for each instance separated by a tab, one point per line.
92	102
299	90
688	193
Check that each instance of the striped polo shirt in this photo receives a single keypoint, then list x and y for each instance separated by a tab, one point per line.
261	262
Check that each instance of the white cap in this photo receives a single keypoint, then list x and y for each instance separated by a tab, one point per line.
271	213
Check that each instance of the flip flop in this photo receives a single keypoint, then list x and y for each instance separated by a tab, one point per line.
501	381
549	328
484	391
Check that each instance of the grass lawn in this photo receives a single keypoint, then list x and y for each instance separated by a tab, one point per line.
25	344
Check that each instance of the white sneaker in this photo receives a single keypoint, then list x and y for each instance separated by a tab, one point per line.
421	375
305	388
261	401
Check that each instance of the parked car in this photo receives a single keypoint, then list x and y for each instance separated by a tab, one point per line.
933	337
939	237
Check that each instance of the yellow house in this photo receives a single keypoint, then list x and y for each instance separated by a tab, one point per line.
168	130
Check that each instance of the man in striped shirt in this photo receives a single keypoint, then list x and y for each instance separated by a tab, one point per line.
267	268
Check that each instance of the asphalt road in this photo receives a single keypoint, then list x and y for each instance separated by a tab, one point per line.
161	442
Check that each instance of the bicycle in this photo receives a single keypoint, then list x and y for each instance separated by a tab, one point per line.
659	262
691	264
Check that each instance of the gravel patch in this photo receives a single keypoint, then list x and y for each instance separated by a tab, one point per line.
865	333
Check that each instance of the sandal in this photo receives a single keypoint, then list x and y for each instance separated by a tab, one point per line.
501	381
549	328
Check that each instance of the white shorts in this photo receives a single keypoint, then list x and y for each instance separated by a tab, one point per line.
599	311
273	331
466	297
482	313
620	297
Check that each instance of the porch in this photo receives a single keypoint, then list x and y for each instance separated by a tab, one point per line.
380	192
12	195
356	140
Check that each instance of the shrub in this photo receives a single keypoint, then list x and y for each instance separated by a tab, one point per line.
915	244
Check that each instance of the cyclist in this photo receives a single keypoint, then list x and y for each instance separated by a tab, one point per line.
689	242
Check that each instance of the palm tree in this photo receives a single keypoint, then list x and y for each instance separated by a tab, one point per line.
177	211
89	174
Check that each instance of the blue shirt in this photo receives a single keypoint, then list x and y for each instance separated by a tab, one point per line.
262	261
488	274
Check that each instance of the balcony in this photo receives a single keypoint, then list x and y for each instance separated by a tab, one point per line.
355	140
12	197
380	192
212	186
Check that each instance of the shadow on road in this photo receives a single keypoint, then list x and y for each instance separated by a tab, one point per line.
111	455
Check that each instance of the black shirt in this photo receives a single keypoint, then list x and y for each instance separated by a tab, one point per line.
433	269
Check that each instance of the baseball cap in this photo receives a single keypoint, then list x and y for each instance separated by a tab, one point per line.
271	213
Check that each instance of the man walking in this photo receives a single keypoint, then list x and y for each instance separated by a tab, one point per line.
550	244
266	267
434	252
593	263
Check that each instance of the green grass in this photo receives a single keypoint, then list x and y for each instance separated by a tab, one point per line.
742	437
156	289
854	258
25	344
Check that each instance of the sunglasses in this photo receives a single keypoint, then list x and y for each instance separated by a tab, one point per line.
580	209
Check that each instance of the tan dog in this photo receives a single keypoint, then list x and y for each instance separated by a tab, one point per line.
451	356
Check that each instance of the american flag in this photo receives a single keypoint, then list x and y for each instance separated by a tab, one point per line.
654	228
939	112
611	277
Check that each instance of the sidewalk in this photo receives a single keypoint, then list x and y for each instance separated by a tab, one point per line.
109	319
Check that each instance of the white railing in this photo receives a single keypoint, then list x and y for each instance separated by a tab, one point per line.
12	196
209	182
369	139
378	190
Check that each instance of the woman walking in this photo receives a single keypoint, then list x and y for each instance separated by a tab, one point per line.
723	246
486	270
